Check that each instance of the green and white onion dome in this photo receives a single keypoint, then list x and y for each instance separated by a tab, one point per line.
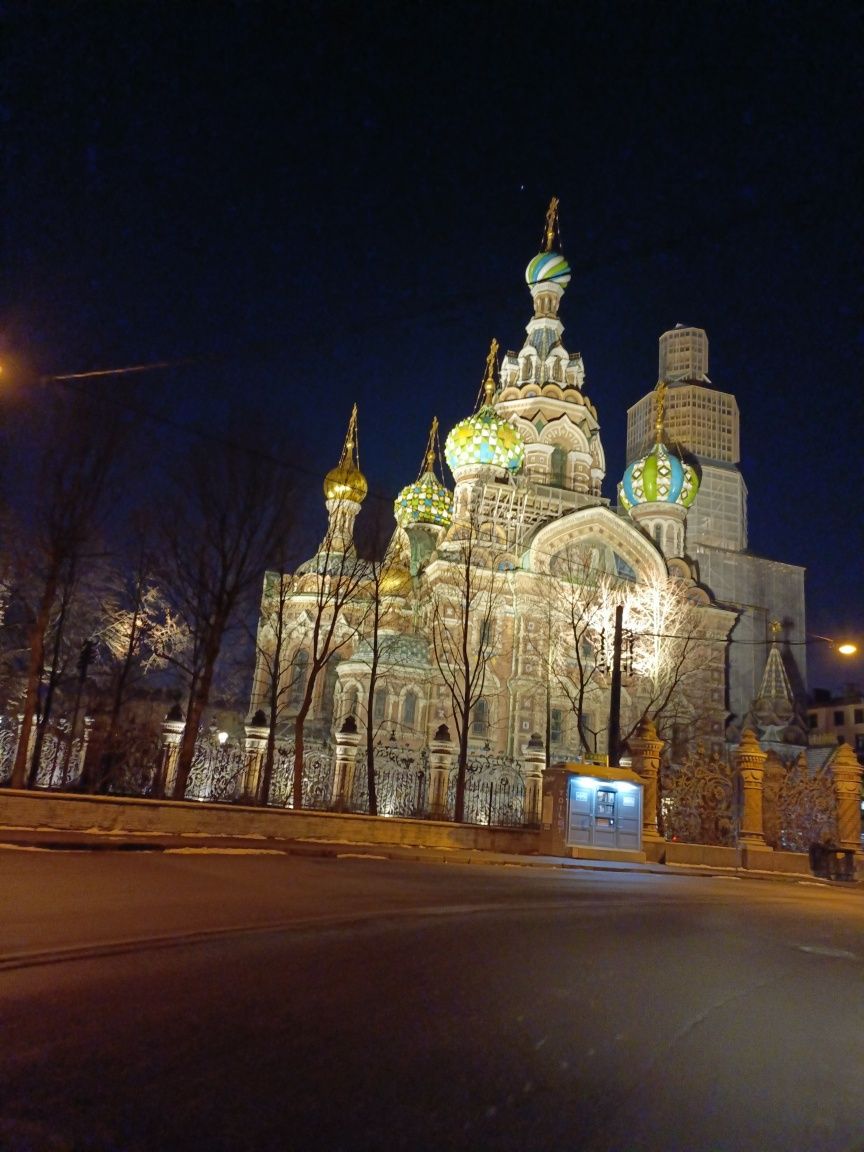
484	439
659	477
548	267
426	501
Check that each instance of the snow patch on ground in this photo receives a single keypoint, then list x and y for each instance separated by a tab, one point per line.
223	852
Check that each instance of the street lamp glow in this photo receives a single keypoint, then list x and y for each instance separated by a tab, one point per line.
844	647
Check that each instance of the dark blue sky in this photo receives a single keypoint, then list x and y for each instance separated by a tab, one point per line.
333	202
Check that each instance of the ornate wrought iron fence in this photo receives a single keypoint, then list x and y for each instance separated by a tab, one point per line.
129	769
217	772
401	781
494	791
318	766
698	797
8	747
60	763
806	808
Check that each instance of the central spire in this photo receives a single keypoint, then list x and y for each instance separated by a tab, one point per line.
552	228
661	411
489	375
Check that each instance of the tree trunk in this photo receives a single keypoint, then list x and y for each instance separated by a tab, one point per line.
370	739
34	679
298	756
266	780
461	770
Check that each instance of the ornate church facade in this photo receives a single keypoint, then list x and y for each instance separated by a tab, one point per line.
493	612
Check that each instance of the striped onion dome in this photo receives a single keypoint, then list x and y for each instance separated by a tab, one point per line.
662	477
548	267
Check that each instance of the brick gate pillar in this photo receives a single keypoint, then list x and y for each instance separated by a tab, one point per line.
172	733
440	766
750	761
847	798
534	754
645	748
255	747
347	740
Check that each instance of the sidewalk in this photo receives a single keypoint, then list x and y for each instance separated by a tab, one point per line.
54	840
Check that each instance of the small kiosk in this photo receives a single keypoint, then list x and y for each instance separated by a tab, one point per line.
591	810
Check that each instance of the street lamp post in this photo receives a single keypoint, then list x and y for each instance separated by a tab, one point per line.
614	739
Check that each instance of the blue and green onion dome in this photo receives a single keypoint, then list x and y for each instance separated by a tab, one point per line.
659	477
548	267
484	438
426	501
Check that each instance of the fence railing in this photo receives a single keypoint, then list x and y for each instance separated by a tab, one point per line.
699	795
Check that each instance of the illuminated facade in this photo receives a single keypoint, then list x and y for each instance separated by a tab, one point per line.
527	524
704	422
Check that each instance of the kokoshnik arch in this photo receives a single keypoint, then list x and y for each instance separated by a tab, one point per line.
528	533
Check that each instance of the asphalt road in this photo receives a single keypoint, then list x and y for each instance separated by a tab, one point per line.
160	1002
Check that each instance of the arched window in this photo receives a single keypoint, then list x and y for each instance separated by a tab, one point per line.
379	707
299	669
480	718
409	709
558	467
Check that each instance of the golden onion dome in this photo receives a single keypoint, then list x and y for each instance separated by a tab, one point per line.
345	482
396	582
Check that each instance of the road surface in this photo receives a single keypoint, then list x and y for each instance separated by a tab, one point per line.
152	1002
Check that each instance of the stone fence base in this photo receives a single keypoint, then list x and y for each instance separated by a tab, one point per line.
753	859
111	815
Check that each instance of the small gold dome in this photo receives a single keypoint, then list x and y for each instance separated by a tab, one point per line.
396	582
345	482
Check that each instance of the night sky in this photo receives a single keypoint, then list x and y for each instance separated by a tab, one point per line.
322	203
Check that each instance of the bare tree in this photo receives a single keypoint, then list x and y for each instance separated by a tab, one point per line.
670	648
137	630
385	575
466	589
581	605
275	676
328	590
231	509
80	440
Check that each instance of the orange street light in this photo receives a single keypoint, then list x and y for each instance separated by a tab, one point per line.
844	647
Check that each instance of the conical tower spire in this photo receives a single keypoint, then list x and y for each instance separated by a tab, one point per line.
345	489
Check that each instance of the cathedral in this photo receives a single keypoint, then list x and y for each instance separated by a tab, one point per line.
518	605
